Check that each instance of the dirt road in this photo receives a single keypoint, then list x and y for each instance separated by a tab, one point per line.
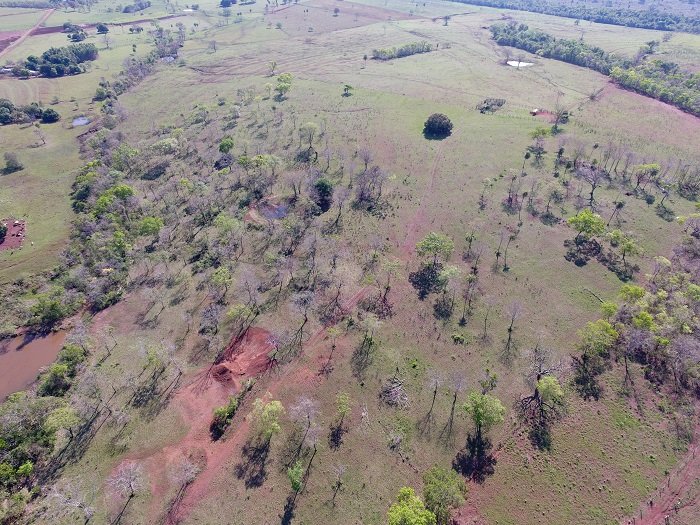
28	32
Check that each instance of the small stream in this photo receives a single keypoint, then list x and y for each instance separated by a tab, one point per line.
23	356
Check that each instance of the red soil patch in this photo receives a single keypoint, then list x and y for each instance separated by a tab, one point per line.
245	358
546	115
221	451
6	39
16	232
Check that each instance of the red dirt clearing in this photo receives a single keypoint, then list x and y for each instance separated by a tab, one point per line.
220	452
16	232
195	402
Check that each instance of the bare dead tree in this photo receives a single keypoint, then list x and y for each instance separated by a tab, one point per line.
126	482
510	348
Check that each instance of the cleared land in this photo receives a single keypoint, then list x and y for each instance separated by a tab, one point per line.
607	455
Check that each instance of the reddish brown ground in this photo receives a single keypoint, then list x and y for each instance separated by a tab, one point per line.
211	388
15	234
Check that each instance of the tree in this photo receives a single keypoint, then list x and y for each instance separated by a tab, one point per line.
586	223
272	65
150	226
49	116
347	89
3	231
265	417
336	11
409	510
102	28
307	133
226	144
436	245
284	84
437	126
541	408
295	473
485	411
443	490
598	337
12	163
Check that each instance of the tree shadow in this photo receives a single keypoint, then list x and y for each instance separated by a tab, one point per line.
289	507
426	280
362	357
335	436
252	468
582	251
475	461
431	135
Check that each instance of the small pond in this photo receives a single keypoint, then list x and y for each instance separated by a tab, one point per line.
517	64
23	356
81	121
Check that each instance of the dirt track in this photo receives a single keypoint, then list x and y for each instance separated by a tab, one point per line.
27	33
675	494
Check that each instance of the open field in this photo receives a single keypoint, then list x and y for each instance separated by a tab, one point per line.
607	455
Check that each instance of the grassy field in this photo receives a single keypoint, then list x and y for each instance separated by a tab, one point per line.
607	455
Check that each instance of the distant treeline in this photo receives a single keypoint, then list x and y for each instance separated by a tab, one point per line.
647	19
137	6
390	53
654	78
57	61
48	4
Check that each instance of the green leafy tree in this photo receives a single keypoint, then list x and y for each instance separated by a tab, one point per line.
295	473
226	144
598	337
586	223
409	510
49	116
436	245
150	226
265	418
443	490
485	411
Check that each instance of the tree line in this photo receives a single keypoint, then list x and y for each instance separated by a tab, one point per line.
57	61
391	53
11	114
654	78
661	20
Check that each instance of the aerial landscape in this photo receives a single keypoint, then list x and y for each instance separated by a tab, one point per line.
350	262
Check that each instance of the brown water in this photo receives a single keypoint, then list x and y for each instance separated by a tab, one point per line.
22	357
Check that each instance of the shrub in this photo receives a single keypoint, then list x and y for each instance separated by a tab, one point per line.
49	116
12	163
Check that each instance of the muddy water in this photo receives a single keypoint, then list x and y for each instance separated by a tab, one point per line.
22	357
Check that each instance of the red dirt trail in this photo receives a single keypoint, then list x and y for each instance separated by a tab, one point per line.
675	494
420	219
